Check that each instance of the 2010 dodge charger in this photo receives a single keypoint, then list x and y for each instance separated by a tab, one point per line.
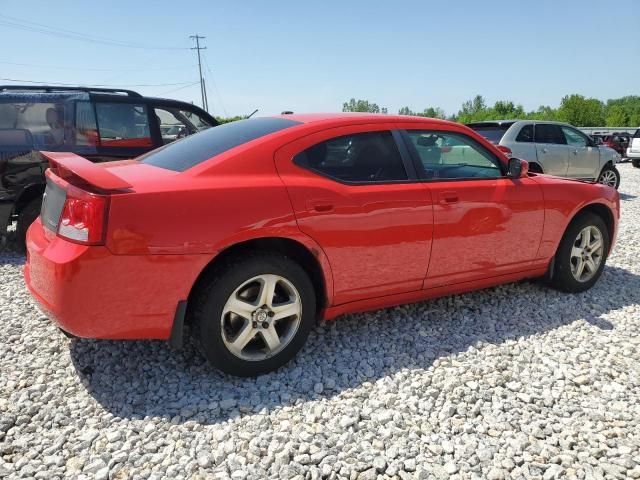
250	231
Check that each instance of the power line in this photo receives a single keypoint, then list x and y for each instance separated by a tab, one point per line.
203	93
215	86
39	82
92	69
177	89
27	25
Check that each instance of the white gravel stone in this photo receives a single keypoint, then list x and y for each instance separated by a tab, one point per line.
518	381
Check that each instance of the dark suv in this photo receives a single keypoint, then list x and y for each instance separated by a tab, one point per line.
99	124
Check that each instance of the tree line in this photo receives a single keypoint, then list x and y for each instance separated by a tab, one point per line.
574	109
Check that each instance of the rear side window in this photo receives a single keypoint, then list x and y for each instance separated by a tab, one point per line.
548	133
188	152
123	125
493	133
637	134
361	157
526	134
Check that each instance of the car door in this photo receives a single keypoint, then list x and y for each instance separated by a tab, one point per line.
551	149
584	159
485	224
351	192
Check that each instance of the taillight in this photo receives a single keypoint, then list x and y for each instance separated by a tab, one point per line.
84	216
506	150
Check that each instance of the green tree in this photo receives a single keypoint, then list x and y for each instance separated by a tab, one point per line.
616	116
504	110
473	110
354	105
544	112
222	120
631	107
581	112
431	112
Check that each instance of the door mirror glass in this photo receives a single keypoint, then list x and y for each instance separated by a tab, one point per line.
518	168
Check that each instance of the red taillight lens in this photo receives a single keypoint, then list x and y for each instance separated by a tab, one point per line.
506	150
83	217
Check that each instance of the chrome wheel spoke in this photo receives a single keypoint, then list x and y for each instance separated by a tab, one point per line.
246	334
286	310
239	307
579	268
267	290
271	338
590	265
576	252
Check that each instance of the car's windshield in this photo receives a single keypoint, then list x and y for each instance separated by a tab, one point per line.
184	154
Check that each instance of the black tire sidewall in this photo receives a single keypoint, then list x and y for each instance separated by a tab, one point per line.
563	278
215	292
26	217
635	162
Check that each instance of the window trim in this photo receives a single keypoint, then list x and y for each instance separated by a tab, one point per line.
407	162
418	166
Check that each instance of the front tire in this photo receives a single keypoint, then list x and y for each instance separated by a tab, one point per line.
610	176
252	315
582	254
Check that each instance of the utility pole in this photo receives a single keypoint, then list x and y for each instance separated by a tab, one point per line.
203	92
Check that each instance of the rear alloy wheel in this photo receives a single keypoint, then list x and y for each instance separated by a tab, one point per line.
254	315
610	176
582	254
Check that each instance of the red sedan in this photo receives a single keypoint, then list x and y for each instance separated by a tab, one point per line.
250	231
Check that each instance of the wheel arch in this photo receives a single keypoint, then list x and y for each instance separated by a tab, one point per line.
309	258
603	212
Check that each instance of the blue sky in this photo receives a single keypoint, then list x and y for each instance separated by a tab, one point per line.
312	56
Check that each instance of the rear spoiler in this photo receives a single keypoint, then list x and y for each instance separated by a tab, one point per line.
69	164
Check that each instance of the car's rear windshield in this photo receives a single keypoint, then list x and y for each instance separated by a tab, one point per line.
637	134
184	154
493	133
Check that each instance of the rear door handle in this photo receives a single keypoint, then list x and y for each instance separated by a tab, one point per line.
545	150
319	206
449	197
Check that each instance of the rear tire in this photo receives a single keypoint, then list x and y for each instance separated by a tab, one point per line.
277	309
635	162
26	217
610	176
577	270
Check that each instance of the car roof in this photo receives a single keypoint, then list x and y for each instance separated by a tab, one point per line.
349	117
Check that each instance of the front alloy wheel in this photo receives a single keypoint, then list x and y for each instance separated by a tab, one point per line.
609	177
586	254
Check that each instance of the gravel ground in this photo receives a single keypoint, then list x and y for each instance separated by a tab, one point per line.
513	382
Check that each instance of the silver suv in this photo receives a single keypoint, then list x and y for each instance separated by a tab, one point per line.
553	148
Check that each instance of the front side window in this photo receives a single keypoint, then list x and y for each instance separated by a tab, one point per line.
574	138
448	155
549	133
123	125
86	130
360	157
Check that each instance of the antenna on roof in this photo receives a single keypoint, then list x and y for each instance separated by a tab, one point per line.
252	113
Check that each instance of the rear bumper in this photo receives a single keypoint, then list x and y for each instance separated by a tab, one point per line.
91	293
631	154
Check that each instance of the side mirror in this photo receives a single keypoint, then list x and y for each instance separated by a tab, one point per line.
518	168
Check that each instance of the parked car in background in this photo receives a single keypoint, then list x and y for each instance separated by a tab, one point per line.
289	218
633	151
100	124
618	142
554	148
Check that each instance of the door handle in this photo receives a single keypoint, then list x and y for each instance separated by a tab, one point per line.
545	150
575	152
320	206
449	197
